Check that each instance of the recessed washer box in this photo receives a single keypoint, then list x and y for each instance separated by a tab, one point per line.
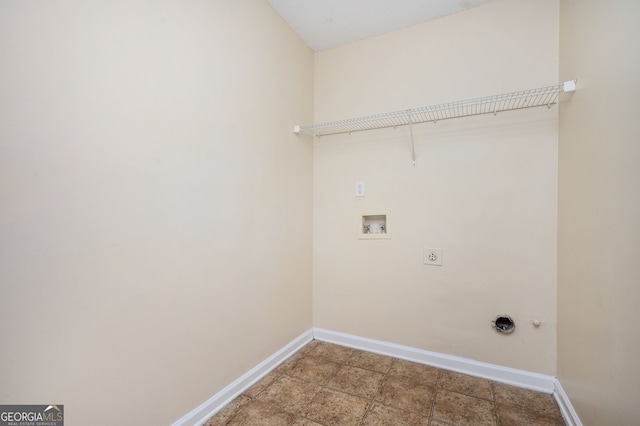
374	226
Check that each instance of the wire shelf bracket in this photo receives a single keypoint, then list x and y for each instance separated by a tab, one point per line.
543	96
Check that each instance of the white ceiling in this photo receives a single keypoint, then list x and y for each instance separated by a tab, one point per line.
324	24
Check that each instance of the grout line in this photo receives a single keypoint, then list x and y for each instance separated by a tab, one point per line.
492	385
432	410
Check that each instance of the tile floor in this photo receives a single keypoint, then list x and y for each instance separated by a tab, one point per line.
325	384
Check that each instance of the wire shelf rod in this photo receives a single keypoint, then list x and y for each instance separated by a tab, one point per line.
543	96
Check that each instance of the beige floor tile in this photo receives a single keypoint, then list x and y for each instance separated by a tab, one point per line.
382	415
401	393
309	346
357	381
257	413
468	385
463	410
370	361
336	408
315	369
223	415
301	421
515	416
436	422
289	363
413	371
289	394
335	353
538	402
254	390
326	384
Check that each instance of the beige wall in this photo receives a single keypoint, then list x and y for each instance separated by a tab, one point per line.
484	189
156	211
155	238
599	211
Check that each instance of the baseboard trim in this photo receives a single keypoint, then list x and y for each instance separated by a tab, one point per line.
201	414
569	414
515	377
520	378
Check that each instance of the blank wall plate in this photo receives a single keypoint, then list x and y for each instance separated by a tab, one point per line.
359	189
433	256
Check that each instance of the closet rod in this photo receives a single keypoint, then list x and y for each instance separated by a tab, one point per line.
543	96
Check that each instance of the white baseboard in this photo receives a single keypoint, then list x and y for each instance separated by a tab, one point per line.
569	414
201	414
520	378
515	377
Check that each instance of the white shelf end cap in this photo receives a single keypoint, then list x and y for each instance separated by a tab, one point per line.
569	86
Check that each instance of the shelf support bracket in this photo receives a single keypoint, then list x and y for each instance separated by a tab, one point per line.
569	86
413	148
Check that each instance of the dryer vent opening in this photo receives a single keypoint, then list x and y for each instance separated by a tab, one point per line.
504	324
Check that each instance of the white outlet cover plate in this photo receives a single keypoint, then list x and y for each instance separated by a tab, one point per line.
432	256
359	189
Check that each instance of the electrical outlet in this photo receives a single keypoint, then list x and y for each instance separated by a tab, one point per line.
359	189
432	256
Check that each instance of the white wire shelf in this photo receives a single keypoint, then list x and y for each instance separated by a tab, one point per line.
543	96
